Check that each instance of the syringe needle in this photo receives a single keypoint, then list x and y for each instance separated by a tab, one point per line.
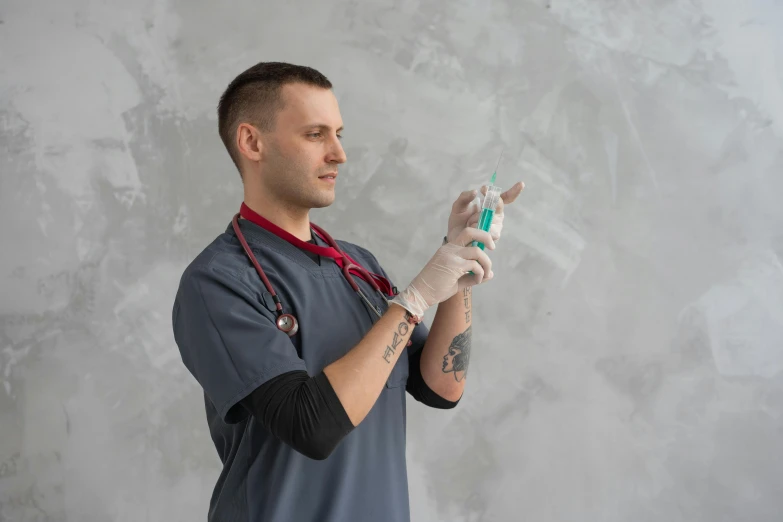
494	174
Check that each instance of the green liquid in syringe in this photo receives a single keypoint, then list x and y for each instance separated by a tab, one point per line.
485	221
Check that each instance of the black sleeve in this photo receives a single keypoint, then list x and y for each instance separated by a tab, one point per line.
302	411
419	389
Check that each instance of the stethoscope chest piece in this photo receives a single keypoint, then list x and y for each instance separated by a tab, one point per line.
288	324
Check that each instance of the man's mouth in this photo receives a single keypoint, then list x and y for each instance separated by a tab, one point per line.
328	176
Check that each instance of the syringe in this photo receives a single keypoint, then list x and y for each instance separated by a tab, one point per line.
491	199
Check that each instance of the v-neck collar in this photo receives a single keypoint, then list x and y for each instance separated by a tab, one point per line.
327	251
341	260
258	235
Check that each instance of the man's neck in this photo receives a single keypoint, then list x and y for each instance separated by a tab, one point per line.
294	221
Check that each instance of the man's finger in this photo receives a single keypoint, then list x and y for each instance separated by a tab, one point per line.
475	254
508	197
468	235
511	194
494	231
474	219
473	265
463	201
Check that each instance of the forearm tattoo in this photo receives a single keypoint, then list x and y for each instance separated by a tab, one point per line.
456	359
467	300
402	330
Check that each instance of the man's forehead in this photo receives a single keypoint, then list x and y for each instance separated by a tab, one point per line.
306	103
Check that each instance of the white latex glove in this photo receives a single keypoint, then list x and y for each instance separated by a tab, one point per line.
466	211
462	210
447	272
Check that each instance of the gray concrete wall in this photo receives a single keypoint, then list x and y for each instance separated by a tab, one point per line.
628	360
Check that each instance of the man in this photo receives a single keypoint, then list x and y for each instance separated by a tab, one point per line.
309	422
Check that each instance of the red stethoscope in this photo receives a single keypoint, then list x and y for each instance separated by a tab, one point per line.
287	322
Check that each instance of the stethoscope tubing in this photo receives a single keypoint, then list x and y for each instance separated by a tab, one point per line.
287	322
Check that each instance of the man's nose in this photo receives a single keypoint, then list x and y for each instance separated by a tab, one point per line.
337	153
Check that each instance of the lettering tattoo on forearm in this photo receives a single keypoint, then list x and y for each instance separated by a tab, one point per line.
466	299
402	329
456	359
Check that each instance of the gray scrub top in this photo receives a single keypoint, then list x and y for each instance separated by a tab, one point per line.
224	325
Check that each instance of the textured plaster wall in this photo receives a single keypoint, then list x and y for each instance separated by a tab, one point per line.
628	359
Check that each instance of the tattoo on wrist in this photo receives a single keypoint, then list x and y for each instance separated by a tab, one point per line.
402	330
467	300
458	356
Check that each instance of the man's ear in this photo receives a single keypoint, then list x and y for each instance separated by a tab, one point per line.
249	142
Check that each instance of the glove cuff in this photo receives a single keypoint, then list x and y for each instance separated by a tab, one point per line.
412	301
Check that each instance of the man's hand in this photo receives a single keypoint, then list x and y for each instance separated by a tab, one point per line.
448	272
466	211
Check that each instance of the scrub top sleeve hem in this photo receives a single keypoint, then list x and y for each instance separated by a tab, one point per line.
418	388
227	340
224	409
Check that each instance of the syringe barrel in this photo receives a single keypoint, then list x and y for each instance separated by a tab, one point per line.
491	198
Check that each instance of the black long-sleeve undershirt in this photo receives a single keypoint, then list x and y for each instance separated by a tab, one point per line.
305	412
302	411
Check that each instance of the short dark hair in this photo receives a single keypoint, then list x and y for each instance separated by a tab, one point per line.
255	97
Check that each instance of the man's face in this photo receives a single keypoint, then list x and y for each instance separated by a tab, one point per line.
303	151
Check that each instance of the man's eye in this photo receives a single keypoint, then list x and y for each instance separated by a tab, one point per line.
314	134
339	136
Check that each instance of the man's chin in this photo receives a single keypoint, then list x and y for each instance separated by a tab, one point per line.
322	202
